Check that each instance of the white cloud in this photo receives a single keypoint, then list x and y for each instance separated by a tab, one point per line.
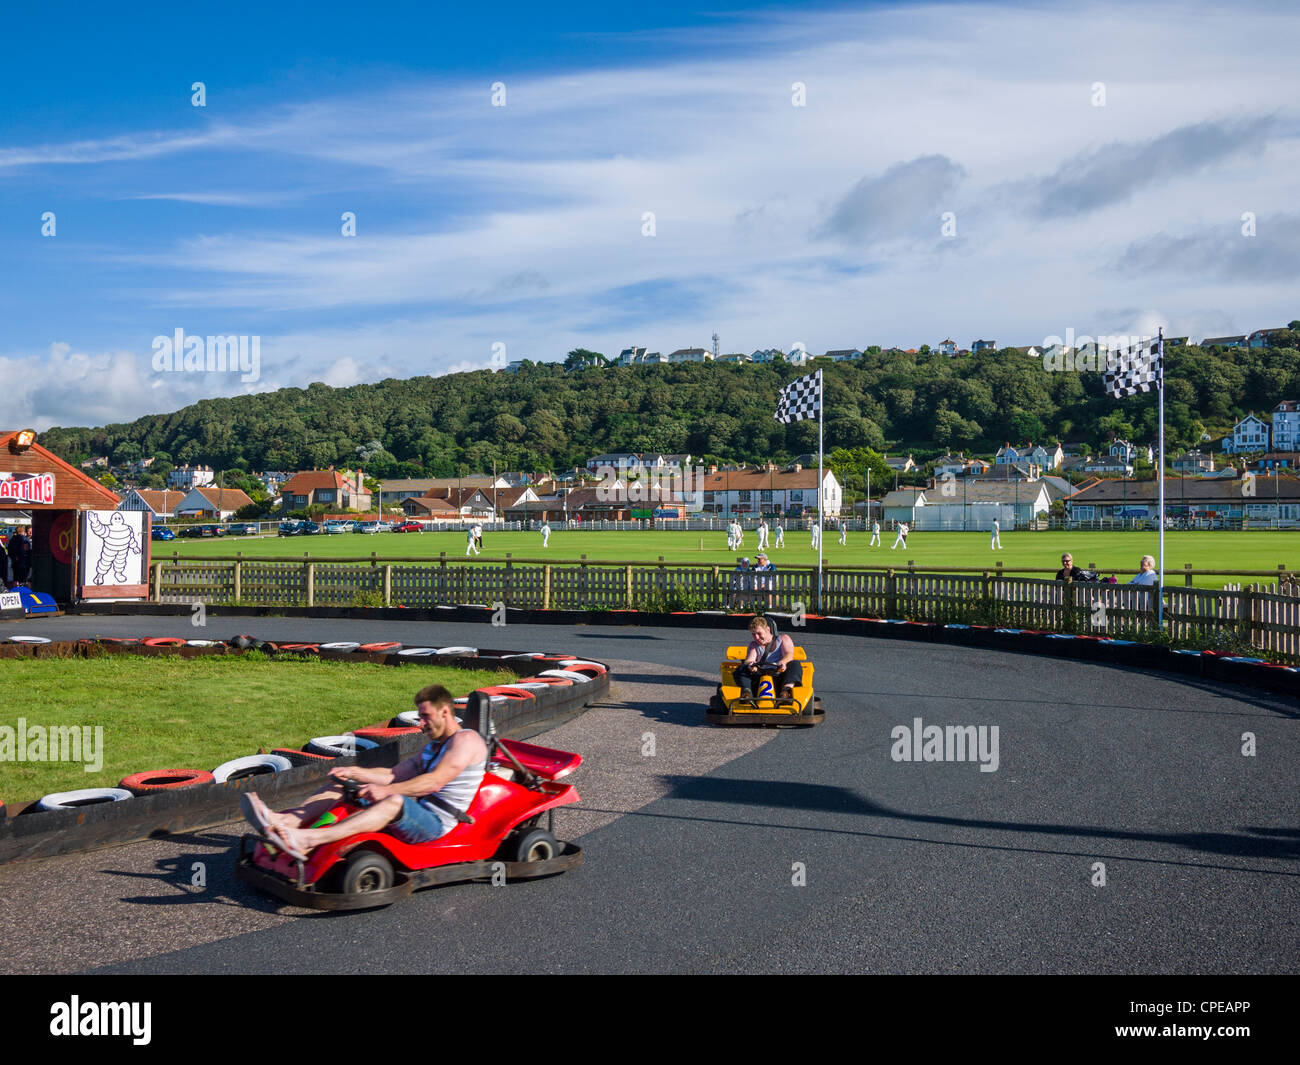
523	224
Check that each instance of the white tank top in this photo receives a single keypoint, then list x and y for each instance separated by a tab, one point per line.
459	791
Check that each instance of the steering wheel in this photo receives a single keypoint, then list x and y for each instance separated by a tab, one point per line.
352	792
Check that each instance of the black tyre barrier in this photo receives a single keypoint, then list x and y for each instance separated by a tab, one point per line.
241	642
250	765
69	800
164	780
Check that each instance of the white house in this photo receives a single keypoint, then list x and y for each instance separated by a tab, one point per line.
190	477
948	347
161	505
843	354
1009	456
734	357
1047	458
210	502
690	355
983	345
749	493
1248	435
1286	426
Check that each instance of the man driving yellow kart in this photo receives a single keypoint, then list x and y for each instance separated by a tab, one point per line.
767	682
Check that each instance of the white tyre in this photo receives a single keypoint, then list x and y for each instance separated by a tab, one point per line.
251	765
339	746
67	800
567	675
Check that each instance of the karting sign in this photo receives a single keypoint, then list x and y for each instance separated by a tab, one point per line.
11	601
114	554
27	488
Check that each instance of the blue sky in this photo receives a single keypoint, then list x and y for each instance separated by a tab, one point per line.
777	220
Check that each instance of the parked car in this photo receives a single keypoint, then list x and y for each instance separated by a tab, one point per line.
339	526
368	527
159	532
309	528
409	526
289	528
242	528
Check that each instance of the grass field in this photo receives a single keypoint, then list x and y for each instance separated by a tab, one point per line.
195	713
1110	552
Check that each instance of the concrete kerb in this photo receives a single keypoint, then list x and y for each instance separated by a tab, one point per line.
27	833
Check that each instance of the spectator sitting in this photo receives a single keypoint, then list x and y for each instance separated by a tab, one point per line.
1070	572
1147	573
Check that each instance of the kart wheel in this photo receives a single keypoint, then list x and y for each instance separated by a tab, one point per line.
366	871
535	845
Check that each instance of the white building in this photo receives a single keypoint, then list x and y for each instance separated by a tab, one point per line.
1251	434
188	477
1286	426
690	355
749	493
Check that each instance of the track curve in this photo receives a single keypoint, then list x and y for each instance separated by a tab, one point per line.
810	850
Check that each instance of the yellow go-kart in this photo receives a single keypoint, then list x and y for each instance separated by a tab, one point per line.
730	706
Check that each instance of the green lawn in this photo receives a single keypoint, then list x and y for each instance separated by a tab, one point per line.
195	713
1116	552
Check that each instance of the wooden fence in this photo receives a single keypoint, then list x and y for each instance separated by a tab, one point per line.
1267	616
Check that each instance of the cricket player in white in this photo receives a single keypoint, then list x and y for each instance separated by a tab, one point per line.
762	535
780	535
844	533
875	534
816	534
995	541
470	546
902	535
546	533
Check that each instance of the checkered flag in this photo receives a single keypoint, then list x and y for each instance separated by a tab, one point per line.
800	399
1135	370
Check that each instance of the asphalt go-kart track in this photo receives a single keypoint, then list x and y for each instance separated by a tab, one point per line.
1113	826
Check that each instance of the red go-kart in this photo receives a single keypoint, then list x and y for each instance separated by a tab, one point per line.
500	835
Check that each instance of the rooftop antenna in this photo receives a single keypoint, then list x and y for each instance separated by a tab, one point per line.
715	347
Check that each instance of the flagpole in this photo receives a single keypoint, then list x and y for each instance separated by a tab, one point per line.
821	486
1160	588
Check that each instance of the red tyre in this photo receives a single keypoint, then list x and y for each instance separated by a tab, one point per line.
383	735
380	648
512	693
156	780
163	641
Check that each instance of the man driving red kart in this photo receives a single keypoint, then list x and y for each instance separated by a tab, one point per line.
417	800
769	652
